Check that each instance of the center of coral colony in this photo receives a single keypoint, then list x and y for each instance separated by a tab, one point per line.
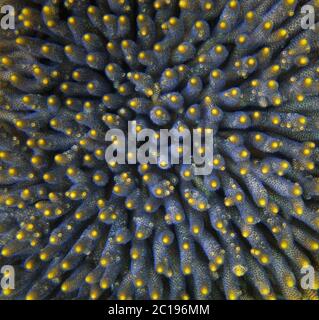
177	146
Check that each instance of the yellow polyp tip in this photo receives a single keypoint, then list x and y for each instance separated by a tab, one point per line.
264	290
106	18
5	252
299	210
239	270
90	86
14	78
232	295
204	290
29	265
187	270
155	295
245	233
234	92
122	296
43	256
174	98
7	292
243	119
264	259
251	62
31	296
36	160
219	49
72	20
303	61
91	10
88	279
20	41
233	4
158	191
302	120
296	190
87	37
157	47
94	295
78	248
51	23
314	246
213	267
90	58
183	4
20	124
267	25
10	201
64	287
303	42
166	239
262	202
277	101
250	219
149	92
282	33
104	262
290	282
6	61
250	15
65	265
140	17
104	284
274	145
20	235
284	244
308	82
300	97
243	154
182	48
139	283
265	51
219	260
26	11
223	25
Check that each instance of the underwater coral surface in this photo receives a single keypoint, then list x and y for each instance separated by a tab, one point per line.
76	227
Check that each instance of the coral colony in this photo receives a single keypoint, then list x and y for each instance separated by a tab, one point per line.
76	227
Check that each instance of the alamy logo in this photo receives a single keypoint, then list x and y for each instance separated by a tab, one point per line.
7	278
308	19
164	148
308	279
8	19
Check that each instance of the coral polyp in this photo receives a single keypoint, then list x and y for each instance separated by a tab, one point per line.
77	227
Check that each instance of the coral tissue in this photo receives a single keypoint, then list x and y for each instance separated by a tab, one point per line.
76	227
